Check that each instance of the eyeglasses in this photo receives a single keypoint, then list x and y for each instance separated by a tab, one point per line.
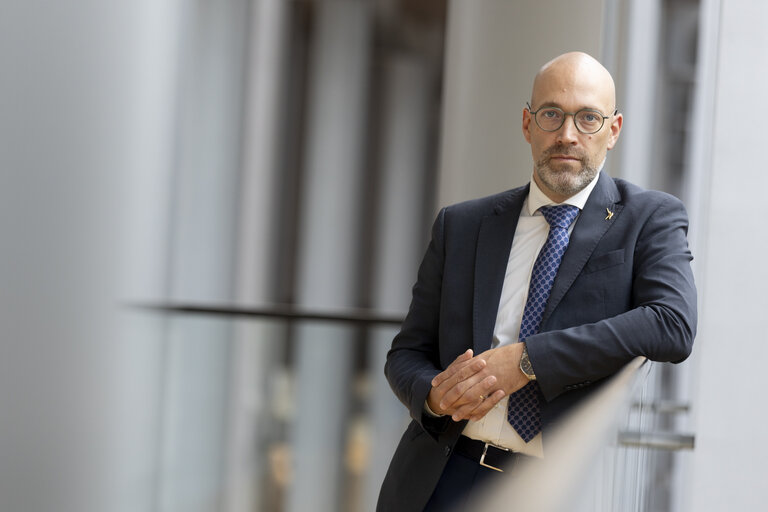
587	120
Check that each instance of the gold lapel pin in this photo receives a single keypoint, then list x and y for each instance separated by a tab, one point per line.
610	214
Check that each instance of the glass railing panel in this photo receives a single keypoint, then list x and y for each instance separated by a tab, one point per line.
245	407
246	401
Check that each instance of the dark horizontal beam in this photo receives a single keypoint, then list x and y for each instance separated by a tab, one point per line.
278	311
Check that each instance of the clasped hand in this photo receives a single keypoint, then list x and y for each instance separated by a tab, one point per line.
472	386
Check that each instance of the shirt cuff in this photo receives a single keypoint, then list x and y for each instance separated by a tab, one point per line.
429	411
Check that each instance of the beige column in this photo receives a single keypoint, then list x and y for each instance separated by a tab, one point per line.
204	213
400	242
493	50
331	216
257	343
728	466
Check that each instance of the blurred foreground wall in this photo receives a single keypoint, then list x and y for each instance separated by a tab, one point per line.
85	91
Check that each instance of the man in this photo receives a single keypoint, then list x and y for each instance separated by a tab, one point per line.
555	286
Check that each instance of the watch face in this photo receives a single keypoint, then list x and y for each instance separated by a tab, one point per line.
525	365
527	368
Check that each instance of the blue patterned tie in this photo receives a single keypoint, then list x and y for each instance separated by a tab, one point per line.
524	411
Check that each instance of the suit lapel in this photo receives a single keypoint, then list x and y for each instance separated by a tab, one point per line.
599	213
494	242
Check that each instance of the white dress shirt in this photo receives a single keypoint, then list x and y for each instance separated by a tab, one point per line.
530	235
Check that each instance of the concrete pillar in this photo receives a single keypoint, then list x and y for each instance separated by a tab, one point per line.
638	99
147	189
84	151
400	241
728	466
257	343
331	214
204	216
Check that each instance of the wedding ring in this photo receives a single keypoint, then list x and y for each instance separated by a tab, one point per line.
482	398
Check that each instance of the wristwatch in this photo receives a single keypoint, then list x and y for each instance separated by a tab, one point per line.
525	365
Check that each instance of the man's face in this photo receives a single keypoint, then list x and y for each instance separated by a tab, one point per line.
566	161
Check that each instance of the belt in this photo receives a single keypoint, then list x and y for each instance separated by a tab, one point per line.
486	454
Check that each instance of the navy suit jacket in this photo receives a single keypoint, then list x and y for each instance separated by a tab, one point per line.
624	289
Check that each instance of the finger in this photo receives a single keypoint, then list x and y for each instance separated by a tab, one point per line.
469	369
453	398
467	375
477	398
440	384
463	372
452	368
468	391
489	403
476	411
465	411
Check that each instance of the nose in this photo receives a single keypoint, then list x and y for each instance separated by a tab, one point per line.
568	134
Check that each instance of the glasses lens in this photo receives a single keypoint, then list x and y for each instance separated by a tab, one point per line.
549	119
588	121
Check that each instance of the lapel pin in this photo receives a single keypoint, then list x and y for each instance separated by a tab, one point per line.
610	214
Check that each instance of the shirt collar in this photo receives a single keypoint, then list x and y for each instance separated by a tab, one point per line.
537	198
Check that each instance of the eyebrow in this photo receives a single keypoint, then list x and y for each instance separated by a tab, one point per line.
555	104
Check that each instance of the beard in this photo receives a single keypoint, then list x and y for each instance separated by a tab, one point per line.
562	178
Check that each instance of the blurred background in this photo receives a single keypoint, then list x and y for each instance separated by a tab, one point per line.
212	212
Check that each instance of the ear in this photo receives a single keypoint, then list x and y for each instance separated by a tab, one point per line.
527	118
616	124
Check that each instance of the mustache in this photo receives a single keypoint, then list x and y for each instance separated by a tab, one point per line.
562	150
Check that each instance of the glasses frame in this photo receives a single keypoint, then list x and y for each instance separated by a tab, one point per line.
573	116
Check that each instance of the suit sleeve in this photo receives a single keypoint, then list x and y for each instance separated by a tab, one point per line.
413	360
660	325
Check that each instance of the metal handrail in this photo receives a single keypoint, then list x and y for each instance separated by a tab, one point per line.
357	316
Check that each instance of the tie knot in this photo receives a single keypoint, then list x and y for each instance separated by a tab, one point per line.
561	215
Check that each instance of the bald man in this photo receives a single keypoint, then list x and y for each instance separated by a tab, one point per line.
526	301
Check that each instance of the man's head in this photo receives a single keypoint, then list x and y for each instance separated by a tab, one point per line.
565	159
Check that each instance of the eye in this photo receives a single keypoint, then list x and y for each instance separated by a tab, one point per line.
590	117
550	113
